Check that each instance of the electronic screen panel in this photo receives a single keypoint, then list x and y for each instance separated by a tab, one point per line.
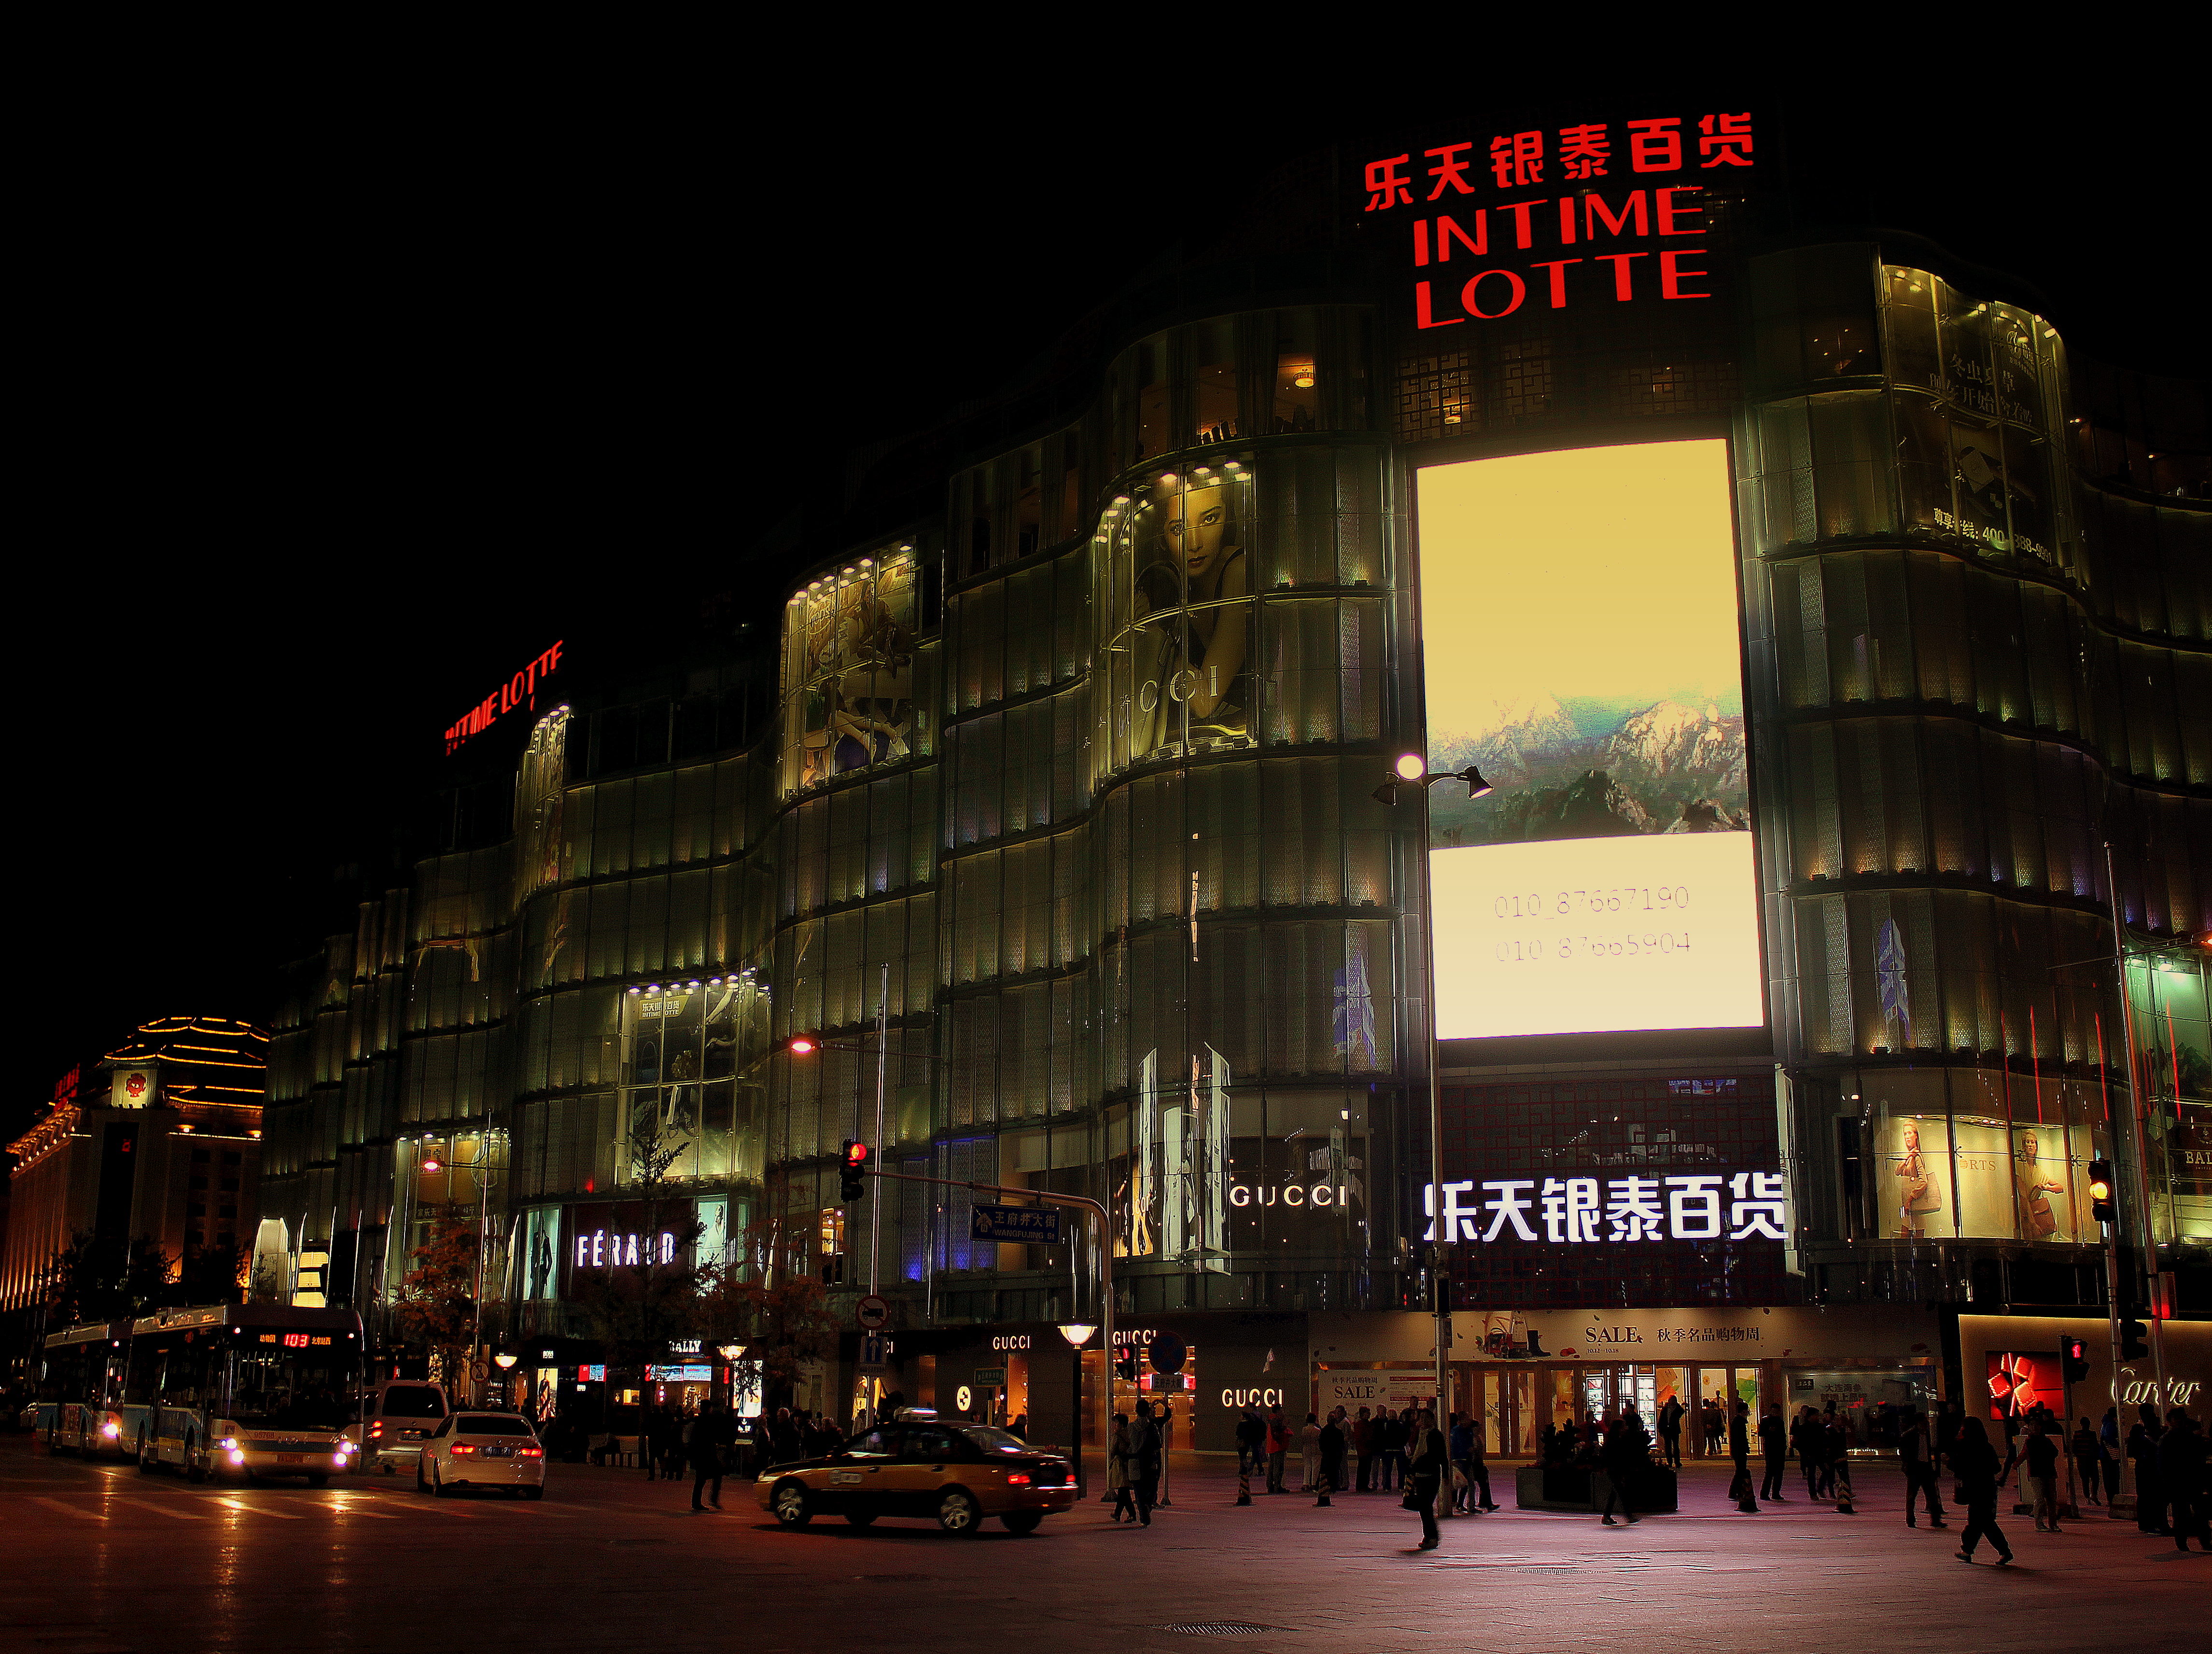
1581	648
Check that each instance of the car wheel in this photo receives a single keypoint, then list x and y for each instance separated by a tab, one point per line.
957	1512
533	1492
438	1488
145	1464
1023	1522
859	1518
318	1480
788	1504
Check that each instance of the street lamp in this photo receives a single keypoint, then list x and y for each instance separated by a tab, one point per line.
1078	1334
505	1362
1412	770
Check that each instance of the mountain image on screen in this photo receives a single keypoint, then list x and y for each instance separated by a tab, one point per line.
1588	769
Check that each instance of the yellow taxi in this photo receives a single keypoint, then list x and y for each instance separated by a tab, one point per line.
957	1475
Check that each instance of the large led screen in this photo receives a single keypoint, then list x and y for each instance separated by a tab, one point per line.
1580	645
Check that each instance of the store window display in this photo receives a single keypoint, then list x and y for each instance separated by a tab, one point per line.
849	665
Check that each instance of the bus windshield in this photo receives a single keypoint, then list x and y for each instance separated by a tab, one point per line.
276	1389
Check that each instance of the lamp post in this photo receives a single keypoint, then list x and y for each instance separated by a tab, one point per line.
1412	770
1078	1334
505	1362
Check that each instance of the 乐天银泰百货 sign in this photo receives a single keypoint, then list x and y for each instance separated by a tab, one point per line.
1035	1226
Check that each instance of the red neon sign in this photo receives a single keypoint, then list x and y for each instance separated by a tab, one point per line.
1610	189
520	690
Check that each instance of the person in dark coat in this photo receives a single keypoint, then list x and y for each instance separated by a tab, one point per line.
2181	1462
1739	1451
1626	1453
1980	1471
1426	1472
1144	1460
1774	1444
1670	1430
2089	1461
710	1436
2150	1493
1915	1452
1332	1456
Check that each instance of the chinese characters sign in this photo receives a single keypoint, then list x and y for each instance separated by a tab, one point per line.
1625	217
1588	1211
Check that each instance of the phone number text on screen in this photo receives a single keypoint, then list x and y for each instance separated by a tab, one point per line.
1589	936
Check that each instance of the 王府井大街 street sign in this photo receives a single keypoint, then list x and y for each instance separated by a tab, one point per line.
1036	1225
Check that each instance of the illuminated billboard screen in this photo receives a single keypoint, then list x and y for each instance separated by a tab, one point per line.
1580	646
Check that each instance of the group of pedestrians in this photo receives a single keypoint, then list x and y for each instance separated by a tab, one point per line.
1132	1464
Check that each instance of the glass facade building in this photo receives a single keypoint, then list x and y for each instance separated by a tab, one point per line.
1069	784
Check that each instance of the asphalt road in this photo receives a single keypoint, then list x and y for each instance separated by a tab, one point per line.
99	1558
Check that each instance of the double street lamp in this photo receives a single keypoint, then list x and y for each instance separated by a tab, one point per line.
1412	770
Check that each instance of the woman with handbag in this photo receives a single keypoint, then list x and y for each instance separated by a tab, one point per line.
1979	1471
1120	1475
1921	1195
1425	1474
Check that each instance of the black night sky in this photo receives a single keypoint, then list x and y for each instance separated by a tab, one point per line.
328	438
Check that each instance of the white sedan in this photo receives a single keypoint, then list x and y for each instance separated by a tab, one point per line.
482	1450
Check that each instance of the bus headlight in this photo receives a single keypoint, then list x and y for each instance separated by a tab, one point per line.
338	1459
111	1430
229	1441
237	1458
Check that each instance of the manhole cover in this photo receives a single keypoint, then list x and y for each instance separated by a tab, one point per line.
1223	1629
895	1578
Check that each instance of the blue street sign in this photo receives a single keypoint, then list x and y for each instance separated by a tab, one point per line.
1036	1225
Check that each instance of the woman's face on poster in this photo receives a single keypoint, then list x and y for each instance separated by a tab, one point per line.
1913	1140
1197	524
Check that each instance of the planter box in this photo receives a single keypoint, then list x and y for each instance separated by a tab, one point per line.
1564	1487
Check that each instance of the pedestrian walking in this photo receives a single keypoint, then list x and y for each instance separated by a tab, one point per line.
1330	1473
1670	1431
1426	1474
1462	1438
1362	1447
1739	1451
1915	1450
1120	1472
1806	1437
2108	1445
1626	1454
2088	1461
1839	1465
1310	1453
1251	1441
1278	1446
2042	1454
1774	1444
2150	1493
705	1451
1145	1456
1478	1470
1398	1431
1979	1471
2181	1466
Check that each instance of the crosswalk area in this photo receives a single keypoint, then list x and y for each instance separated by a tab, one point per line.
109	1501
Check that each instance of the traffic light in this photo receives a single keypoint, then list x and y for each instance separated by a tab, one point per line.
2074	1360
1125	1363
2134	1340
854	1179
2100	1192
1443	1294
802	1045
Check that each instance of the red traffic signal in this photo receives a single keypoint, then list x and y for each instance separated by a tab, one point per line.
802	1045
853	1178
2074	1360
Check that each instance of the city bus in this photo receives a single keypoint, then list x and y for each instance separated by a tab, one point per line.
81	1387
243	1389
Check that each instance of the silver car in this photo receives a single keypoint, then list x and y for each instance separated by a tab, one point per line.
482	1450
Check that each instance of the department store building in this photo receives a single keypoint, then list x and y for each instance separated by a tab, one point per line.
1832	645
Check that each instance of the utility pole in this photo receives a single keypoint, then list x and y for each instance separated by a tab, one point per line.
876	1208
2146	1227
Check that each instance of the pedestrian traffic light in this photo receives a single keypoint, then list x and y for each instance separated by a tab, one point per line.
2074	1360
2134	1340
854	1179
1125	1363
2100	1192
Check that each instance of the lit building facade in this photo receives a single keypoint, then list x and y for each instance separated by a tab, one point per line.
160	1142
1071	781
